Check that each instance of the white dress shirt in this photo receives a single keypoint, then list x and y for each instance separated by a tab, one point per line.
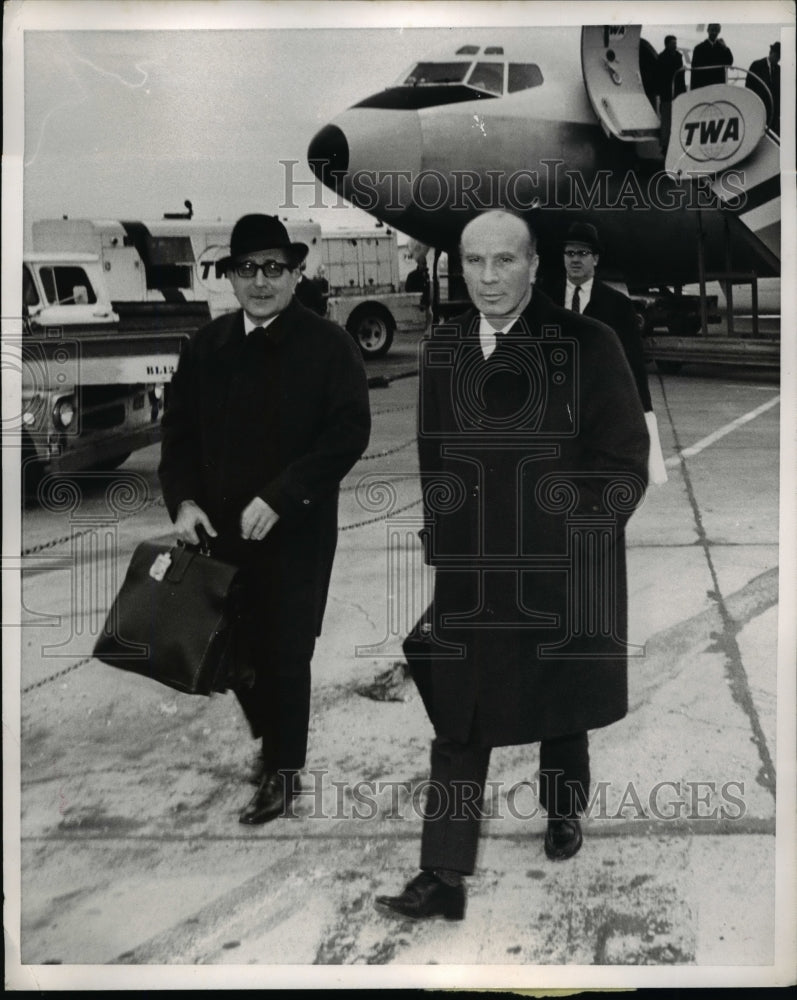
250	325
584	293
488	334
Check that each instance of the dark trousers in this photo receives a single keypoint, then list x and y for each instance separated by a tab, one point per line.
452	812
274	654
277	708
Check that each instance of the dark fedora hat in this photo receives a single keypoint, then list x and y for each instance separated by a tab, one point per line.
253	233
583	232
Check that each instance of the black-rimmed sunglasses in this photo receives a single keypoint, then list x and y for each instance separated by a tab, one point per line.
270	268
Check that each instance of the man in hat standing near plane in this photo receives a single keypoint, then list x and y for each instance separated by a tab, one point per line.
267	412
581	291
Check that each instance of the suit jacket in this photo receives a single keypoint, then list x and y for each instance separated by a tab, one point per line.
763	69
523	456
283	417
617	311
706	54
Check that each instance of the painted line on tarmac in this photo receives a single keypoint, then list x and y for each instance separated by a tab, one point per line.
726	639
721	432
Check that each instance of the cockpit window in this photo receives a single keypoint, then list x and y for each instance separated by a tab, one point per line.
436	72
468	50
488	76
522	76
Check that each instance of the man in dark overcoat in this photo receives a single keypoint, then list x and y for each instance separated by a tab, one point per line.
267	412
533	449
579	290
670	82
710	59
764	79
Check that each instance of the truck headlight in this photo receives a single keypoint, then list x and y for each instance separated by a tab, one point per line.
64	412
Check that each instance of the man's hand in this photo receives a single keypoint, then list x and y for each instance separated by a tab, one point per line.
257	520
189	515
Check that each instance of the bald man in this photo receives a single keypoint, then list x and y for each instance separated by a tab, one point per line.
530	418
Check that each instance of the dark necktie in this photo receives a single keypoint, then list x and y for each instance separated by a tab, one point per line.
576	305
258	332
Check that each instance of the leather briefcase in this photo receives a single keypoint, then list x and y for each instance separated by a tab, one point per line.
174	618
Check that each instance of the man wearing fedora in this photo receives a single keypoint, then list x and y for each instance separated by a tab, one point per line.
267	412
578	290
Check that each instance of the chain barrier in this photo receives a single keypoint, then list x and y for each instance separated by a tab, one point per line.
388	451
43	546
383	517
55	676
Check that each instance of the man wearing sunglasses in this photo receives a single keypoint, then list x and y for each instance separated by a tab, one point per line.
267	412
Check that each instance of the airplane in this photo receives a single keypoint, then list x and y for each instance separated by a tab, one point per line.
561	124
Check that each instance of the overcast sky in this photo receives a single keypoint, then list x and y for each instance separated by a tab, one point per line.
130	123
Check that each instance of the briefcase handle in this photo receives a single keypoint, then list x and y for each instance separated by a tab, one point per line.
204	540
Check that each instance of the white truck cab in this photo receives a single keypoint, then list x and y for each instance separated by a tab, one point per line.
65	290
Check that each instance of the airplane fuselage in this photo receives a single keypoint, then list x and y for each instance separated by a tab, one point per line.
432	151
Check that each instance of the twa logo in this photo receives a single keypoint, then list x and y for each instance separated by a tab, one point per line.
712	131
206	266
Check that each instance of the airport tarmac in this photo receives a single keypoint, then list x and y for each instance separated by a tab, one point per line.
131	850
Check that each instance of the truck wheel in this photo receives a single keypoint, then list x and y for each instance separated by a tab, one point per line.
669	367
372	327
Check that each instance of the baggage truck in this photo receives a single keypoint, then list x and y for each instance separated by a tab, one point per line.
93	391
365	290
164	272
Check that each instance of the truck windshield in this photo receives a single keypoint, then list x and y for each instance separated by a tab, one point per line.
30	297
64	284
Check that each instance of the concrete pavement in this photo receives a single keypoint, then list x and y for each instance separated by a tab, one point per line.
131	850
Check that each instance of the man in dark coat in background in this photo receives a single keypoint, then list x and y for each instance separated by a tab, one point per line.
267	412
767	71
310	295
532	447
712	53
580	291
670	82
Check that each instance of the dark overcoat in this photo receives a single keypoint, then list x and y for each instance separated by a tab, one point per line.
769	73
283	417
616	310
707	55
531	463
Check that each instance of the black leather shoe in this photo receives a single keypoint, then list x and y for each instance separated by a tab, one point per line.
562	839
270	800
427	896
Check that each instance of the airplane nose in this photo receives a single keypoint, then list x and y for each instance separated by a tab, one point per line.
328	154
372	157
